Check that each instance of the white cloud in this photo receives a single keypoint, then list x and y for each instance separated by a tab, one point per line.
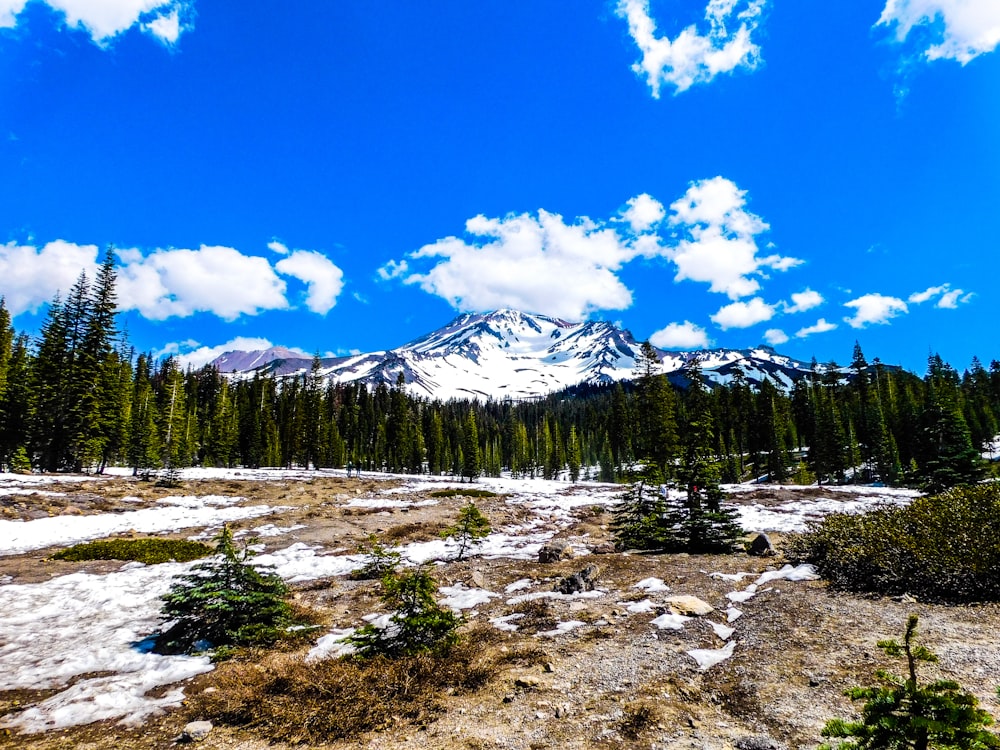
106	19
805	300
393	269
874	308
918	298
218	280
643	212
534	263
775	336
952	299
684	336
169	283
692	57
324	280
821	326
961	29
743	314
32	276
278	247
720	246
8	12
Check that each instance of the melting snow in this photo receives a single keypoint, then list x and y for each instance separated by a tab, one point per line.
709	657
560	629
459	597
670	621
651	585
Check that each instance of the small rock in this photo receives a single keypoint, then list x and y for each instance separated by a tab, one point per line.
758	742
691	606
547	667
72	510
477	579
555	551
527	681
195	731
760	546
604	548
904	599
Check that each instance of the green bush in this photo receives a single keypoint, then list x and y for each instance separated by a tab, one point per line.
903	714
150	551
378	561
224	601
463	493
470	526
942	548
418	623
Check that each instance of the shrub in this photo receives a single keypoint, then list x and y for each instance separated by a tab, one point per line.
224	601
417	624
150	551
942	548
903	714
378	561
463	493
470	526
284	699
20	463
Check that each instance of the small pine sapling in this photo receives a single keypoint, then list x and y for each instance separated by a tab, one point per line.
902	714
377	561
224	601
470	526
19	462
417	624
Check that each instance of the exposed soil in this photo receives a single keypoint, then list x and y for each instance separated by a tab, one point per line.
615	681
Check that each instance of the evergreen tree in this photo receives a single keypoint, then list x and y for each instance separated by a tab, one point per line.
470	526
656	438
573	455
902	714
706	527
417	624
224	601
470	463
642	518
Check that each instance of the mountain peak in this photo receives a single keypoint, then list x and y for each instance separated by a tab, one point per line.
507	353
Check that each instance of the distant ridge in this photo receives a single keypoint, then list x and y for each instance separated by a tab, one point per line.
510	354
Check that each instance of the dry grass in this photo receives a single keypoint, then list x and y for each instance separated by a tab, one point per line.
637	719
281	698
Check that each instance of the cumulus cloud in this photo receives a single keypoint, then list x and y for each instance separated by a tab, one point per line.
953	29
180	282
537	262
323	279
743	314
874	308
775	336
32	276
821	326
683	336
947	298
103	20
804	300
692	56
170	283
719	244
278	247
643	212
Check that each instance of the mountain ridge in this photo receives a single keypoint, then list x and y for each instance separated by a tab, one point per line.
508	354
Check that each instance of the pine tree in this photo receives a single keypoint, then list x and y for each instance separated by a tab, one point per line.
642	518
706	527
656	438
417	624
470	526
377	561
471	467
224	601
902	714
573	455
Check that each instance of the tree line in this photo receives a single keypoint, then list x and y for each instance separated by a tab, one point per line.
77	397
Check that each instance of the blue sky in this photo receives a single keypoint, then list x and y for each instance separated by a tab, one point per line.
339	176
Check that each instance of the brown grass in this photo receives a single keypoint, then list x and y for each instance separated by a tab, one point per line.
282	698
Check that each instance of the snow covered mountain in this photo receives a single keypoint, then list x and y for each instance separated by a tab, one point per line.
510	354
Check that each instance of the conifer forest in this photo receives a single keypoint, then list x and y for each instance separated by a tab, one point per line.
78	398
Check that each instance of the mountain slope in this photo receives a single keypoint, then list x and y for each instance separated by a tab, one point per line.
510	354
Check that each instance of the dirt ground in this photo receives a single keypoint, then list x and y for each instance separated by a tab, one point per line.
799	645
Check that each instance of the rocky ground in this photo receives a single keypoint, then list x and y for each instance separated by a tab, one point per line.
610	678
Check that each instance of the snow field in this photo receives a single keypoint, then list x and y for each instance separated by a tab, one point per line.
52	633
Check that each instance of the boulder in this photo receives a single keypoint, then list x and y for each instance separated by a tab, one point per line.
554	551
690	606
760	546
604	548
577	583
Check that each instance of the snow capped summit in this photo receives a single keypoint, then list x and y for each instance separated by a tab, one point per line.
511	354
